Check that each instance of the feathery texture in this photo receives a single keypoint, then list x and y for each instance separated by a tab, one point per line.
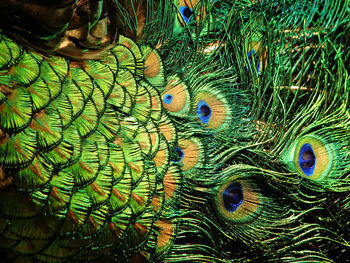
174	131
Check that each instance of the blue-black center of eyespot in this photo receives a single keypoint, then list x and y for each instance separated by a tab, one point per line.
180	154
233	196
168	98
186	13
253	55
307	159
203	111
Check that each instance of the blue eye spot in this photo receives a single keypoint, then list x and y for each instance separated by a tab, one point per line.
203	111
168	98
180	154
233	196
253	55
186	13
307	159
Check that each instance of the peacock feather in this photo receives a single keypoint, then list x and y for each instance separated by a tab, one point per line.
174	131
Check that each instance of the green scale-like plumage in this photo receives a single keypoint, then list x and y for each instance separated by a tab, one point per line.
81	153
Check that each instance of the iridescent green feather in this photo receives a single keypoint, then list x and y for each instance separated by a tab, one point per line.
16	110
177	131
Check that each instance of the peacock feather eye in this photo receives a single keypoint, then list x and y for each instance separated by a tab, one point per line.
233	196
180	154
189	153
253	55
186	13
189	11
153	68
176	97
238	200
203	111
168	98
212	109
307	159
313	158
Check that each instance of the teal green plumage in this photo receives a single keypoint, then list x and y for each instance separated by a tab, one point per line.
179	131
